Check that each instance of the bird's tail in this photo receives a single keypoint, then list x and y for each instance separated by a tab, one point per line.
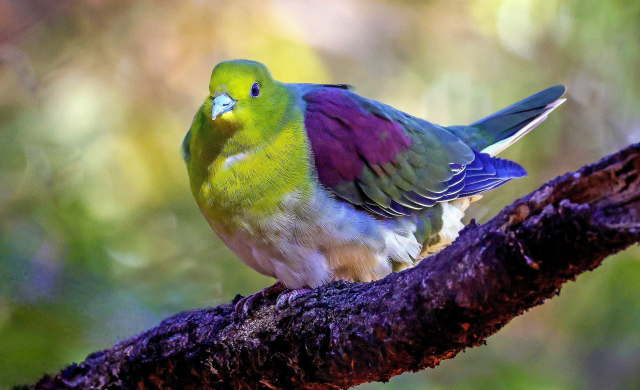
496	132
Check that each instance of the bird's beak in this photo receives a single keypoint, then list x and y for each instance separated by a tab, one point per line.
221	104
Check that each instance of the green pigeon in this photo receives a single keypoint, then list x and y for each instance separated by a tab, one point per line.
311	183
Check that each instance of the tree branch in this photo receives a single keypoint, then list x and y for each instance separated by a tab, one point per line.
344	334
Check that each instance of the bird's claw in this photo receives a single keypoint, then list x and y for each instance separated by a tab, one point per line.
246	304
287	298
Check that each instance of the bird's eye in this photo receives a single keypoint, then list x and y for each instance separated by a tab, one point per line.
255	90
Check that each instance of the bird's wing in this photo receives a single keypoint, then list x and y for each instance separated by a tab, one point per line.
389	162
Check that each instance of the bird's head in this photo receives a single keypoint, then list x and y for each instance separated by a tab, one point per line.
242	94
243	111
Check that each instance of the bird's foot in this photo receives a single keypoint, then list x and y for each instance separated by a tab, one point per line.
287	298
247	303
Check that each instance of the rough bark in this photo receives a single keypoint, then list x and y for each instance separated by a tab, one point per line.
344	334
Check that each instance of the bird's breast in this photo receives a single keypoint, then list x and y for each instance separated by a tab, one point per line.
244	187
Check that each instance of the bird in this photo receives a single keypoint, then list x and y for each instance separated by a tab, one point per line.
313	183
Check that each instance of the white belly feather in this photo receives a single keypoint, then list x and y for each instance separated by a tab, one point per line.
323	239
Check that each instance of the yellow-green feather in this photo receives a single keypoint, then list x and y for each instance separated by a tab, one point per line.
266	140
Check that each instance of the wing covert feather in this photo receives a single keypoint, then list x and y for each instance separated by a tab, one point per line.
384	160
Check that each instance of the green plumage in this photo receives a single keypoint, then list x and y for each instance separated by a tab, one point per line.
507	122
311	183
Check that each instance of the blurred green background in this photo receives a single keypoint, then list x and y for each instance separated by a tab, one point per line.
99	235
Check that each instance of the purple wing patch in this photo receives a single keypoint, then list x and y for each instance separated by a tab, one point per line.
389	163
345	136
